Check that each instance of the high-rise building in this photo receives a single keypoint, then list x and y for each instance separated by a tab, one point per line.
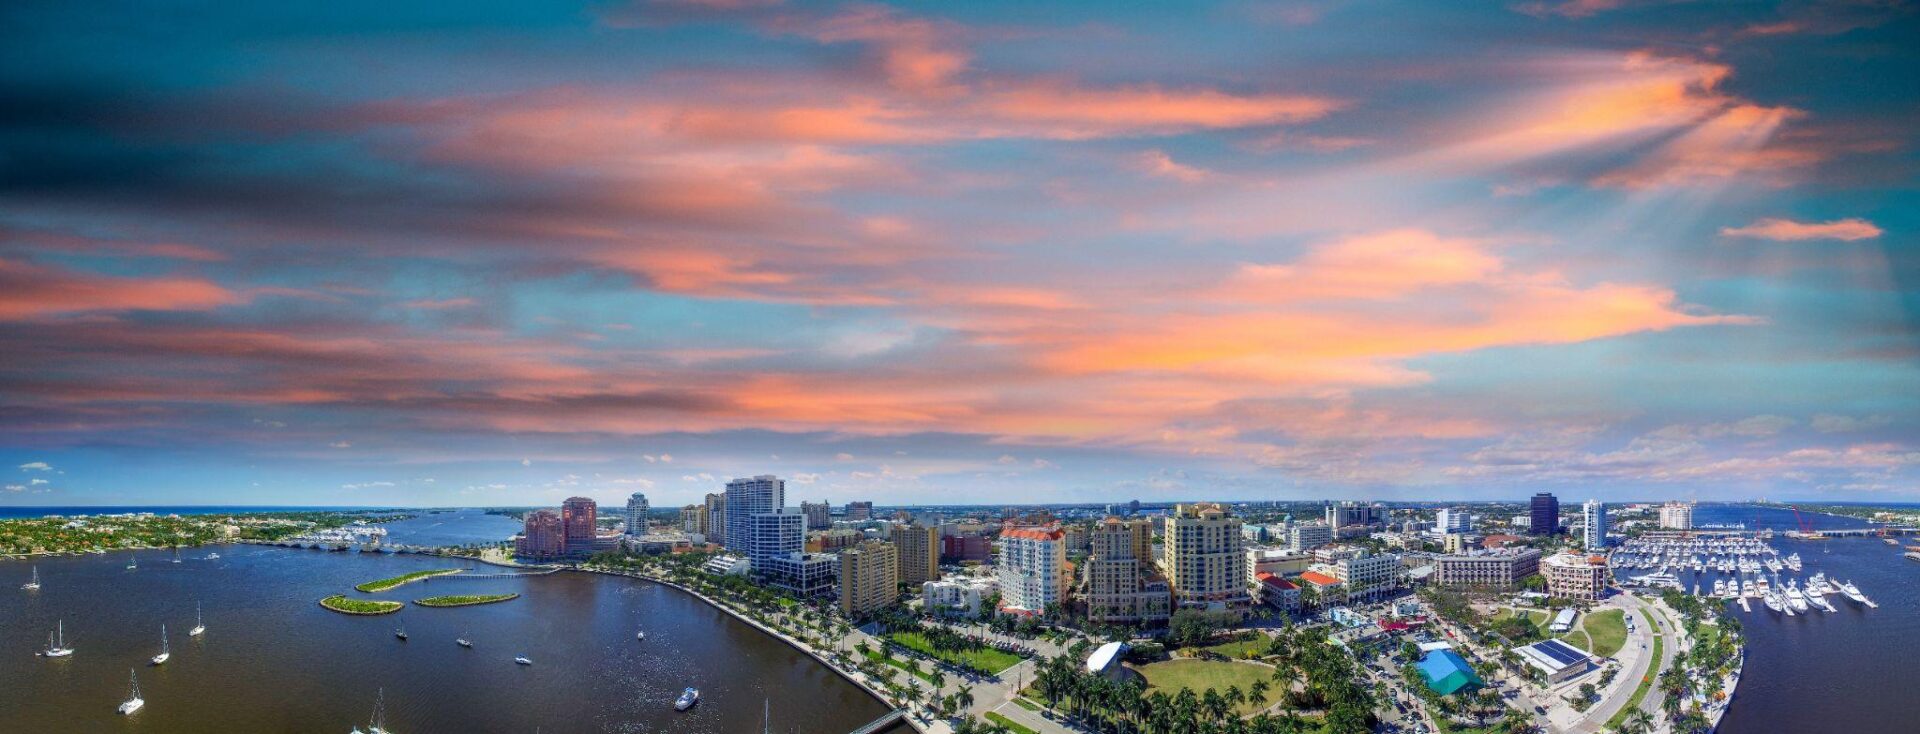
1572	576
819	514
716	522
1032	569
1203	557
1345	514
918	550
747	498
579	520
772	535
542	537
1676	516
859	511
637	514
1453	520
869	578
1306	537
693	519
1116	582
1593	525
1545	518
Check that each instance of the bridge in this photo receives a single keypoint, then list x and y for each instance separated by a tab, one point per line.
887	719
1858	532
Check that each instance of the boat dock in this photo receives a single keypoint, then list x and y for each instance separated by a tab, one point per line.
887	719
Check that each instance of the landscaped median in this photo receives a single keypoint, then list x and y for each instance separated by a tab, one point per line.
340	603
464	601
384	584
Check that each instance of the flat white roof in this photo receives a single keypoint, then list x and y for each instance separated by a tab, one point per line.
1432	646
1105	656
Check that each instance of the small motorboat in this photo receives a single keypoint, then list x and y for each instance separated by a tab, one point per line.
523	660
687	699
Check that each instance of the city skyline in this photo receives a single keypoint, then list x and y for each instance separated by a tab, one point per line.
924	254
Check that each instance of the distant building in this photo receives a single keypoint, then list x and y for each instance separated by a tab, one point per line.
819	514
1453	520
542	537
1676	516
859	511
918	547
869	578
1497	570
959	597
1276	561
579	520
716	517
1454	543
637	514
693	520
959	548
1032	568
1367	576
746	499
1593	525
1573	576
1203	557
1308	537
1545	518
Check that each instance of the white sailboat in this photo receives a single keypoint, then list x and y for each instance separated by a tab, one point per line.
161	659
463	641
376	724
134	701
199	627
57	642
133	562
176	554
523	660
34	583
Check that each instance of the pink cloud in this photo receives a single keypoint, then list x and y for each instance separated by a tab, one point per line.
1787	230
28	290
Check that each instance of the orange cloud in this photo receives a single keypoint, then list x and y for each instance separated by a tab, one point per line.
1787	230
28	290
1059	110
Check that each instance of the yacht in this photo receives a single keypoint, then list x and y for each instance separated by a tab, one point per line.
463	641
1853	592
1793	561
688	698
57	642
161	659
34	583
1795	598
523	660
213	556
134	701
199	627
377	723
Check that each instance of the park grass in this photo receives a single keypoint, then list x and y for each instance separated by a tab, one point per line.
1540	619
1172	675
464	600
984	659
1240	649
1646	684
1009	724
1608	630
1578	639
384	584
344	605
882	656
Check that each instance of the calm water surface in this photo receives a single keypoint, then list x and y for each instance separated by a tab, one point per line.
273	661
1850	671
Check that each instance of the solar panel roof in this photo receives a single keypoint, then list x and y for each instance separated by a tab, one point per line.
1560	651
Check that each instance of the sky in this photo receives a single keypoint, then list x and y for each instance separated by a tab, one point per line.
502	253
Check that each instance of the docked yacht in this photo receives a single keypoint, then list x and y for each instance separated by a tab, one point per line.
1794	597
688	698
1793	561
1853	593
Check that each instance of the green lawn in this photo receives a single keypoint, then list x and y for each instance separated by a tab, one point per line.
1540	619
345	605
1200	675
1608	630
1240	649
384	584
984	659
1578	639
1009	724
1646	684
465	600
922	673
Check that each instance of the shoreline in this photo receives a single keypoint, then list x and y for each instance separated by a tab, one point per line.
825	661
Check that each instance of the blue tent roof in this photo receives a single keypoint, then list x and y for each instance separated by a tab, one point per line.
1447	672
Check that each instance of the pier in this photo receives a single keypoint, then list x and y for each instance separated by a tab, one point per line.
887	719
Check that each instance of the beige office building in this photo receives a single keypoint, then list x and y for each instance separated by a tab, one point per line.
869	578
1496	570
1202	558
1117	583
919	549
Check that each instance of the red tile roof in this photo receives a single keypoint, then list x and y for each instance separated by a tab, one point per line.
1275	581
1318	579
1032	533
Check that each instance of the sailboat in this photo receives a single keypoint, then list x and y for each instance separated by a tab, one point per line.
176	554
57	642
164	652
463	641
133	562
34	583
400	632
199	626
377	724
134	701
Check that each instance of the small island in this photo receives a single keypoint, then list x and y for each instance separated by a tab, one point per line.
384	584
465	600
340	603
